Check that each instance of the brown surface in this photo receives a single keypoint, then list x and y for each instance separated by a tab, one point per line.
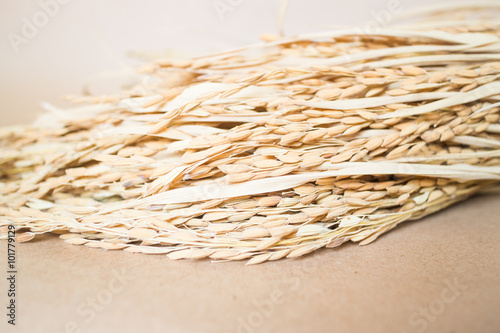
381	287
376	288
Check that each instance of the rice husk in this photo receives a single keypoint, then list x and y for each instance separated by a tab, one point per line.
270	151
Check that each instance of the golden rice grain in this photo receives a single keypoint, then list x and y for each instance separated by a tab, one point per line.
236	156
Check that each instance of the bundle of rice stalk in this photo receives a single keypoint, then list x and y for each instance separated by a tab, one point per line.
269	151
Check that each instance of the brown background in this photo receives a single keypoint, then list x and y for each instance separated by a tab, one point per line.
374	288
385	287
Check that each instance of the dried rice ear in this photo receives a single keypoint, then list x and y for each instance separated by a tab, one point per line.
270	151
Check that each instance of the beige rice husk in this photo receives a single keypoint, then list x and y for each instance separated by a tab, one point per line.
270	151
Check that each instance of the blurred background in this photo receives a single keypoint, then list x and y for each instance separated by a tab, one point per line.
51	48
